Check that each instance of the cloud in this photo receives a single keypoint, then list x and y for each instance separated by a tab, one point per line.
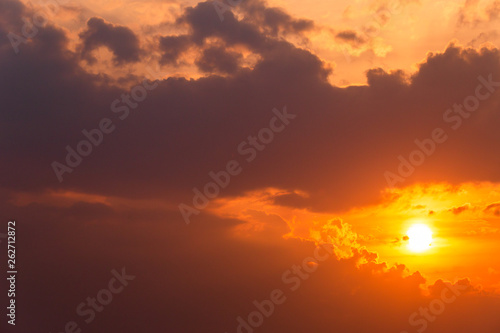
120	40
494	207
483	37
203	22
11	13
460	209
471	15
217	59
342	237
275	20
172	47
351	37
493	10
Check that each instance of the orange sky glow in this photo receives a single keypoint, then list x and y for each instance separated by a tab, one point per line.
217	148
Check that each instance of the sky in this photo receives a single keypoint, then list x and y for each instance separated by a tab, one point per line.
250	166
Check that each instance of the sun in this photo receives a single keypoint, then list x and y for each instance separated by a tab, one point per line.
420	238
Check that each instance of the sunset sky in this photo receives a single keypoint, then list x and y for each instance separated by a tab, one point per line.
253	166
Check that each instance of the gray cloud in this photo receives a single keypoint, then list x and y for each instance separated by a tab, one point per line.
120	40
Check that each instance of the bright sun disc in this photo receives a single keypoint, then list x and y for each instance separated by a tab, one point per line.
420	238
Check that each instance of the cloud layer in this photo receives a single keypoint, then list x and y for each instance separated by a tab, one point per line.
120	203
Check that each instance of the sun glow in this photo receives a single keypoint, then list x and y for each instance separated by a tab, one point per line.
420	238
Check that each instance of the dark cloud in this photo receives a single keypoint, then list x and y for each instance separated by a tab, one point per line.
11	13
217	59
120	40
204	22
351	37
257	32
275	20
254	31
172	47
